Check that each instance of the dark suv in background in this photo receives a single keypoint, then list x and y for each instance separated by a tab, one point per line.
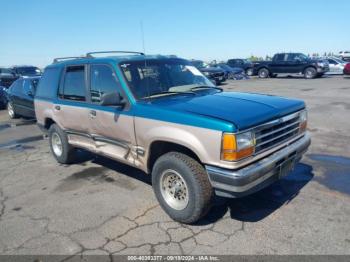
26	70
245	64
7	77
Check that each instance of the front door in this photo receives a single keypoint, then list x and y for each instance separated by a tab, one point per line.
111	127
27	98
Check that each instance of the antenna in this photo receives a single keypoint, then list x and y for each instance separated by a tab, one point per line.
144	52
142	37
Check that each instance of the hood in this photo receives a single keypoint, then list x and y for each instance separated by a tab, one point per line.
7	75
211	70
244	110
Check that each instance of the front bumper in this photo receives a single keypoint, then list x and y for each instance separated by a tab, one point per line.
252	178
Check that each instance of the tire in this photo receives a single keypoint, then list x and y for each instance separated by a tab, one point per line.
310	73
173	172
249	72
64	153
11	111
263	73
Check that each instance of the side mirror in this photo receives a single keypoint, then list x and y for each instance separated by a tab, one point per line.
112	99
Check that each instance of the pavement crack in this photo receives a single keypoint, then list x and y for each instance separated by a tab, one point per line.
2	203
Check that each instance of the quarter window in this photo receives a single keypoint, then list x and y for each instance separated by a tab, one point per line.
103	81
74	86
47	87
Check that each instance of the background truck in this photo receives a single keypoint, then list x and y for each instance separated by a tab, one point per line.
291	64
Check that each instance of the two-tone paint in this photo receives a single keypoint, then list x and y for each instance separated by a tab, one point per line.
128	134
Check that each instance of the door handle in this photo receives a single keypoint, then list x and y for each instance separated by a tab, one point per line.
92	113
58	108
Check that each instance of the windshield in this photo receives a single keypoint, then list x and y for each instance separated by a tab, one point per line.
162	76
28	71
5	71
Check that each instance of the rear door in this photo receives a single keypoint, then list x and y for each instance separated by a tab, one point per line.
111	127
278	64
72	109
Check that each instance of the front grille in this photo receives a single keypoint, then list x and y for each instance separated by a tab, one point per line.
276	132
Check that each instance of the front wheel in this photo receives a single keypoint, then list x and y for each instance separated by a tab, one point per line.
11	111
263	73
60	148
310	73
182	187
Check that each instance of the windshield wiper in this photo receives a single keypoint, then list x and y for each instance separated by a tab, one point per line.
206	87
171	93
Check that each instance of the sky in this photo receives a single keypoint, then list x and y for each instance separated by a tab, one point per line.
36	31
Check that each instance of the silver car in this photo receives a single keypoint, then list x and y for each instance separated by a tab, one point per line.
344	55
336	65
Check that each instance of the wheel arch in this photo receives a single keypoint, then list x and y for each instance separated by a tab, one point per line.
160	147
48	122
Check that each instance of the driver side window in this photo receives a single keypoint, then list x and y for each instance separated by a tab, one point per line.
102	81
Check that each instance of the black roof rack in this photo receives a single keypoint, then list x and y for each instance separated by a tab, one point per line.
58	59
90	54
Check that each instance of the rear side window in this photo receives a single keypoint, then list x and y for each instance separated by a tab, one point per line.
48	84
279	57
74	86
103	81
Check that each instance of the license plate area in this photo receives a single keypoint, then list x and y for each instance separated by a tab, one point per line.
286	166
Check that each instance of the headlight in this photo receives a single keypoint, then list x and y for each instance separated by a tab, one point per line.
303	121
237	146
206	73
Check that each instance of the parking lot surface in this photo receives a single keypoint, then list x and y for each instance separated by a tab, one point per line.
98	206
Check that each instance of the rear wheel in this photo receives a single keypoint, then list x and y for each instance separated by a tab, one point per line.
310	73
11	111
263	73
60	148
182	187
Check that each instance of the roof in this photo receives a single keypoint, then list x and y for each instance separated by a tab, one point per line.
109	59
16	66
30	77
